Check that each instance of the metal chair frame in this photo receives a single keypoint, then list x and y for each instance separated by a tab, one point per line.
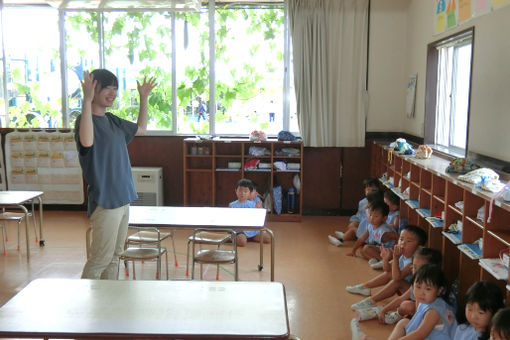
207	238
215	256
146	251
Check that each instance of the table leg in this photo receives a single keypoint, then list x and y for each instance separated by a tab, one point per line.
272	251
261	263
22	207
41	237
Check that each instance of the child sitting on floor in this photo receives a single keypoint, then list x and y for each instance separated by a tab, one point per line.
433	319
355	232
483	299
370	184
378	233
244	189
397	274
393	202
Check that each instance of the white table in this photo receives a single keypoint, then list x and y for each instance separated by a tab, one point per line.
205	217
67	308
17	199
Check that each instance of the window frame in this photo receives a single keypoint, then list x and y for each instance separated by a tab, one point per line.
211	8
431	91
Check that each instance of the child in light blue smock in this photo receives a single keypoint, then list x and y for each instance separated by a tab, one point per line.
244	191
393	202
370	185
483	300
378	233
434	319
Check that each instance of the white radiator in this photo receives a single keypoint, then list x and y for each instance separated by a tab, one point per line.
148	185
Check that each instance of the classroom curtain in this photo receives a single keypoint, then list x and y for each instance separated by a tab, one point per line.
329	39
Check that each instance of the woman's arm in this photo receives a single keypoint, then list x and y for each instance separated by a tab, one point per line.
144	90
86	132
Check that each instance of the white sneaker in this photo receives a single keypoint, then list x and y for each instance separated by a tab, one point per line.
368	313
392	318
363	304
356	331
358	289
377	265
334	241
372	261
339	234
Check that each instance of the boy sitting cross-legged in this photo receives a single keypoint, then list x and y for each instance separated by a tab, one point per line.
378	233
397	267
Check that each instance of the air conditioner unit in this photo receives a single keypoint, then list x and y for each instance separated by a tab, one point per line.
148	185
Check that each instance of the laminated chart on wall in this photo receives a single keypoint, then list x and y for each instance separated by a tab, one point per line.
44	161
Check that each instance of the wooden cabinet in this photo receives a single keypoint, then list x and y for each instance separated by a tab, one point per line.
211	169
433	200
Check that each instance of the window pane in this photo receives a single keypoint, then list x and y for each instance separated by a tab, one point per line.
3	111
33	66
461	97
139	44
82	54
192	72
249	70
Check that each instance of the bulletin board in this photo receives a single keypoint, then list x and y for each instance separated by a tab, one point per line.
44	161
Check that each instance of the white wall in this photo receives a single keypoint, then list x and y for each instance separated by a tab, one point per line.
489	126
386	67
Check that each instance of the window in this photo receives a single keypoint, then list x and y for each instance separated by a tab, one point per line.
448	87
249	67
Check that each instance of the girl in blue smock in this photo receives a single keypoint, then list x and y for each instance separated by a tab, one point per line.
434	319
483	300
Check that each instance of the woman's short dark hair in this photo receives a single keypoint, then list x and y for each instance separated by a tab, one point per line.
105	78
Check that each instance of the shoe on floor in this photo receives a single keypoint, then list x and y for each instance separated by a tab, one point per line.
356	331
392	318
377	265
368	313
372	261
339	234
365	303
358	289
334	241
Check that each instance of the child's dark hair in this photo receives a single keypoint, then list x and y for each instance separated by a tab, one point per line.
105	78
371	182
420	234
501	323
434	275
245	183
433	256
374	196
489	298
380	206
392	197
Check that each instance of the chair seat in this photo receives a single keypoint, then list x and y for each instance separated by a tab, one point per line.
206	237
12	216
215	256
147	237
140	253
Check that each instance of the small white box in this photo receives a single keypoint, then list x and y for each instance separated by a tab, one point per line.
293	166
264	166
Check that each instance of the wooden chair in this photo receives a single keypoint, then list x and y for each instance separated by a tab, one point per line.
215	256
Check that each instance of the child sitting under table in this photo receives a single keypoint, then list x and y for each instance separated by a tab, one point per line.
244	190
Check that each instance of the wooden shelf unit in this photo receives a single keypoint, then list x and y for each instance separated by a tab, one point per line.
209	181
430	187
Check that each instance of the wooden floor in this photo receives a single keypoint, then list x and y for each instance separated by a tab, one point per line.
314	273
